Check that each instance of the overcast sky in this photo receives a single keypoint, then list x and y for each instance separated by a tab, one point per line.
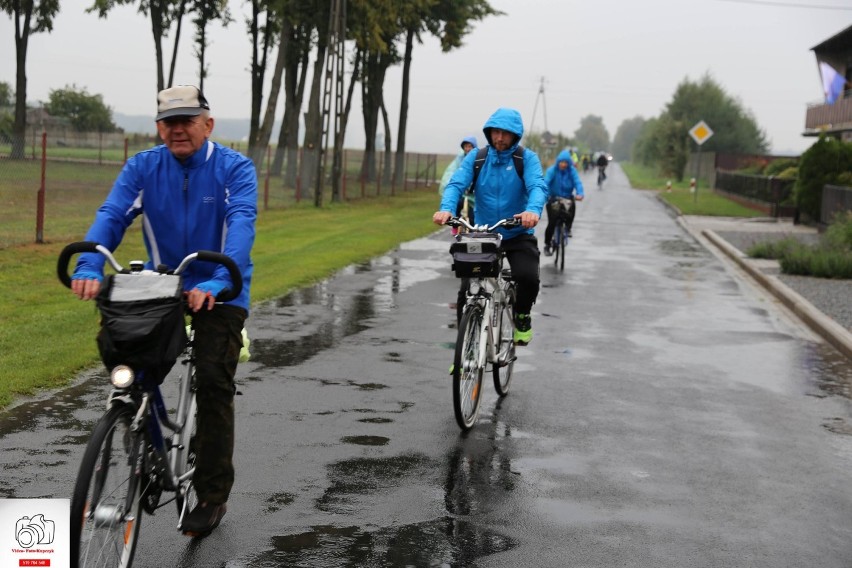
613	58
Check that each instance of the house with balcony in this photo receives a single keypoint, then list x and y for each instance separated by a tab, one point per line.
834	63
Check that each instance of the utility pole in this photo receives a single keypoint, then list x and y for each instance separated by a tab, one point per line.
334	63
540	95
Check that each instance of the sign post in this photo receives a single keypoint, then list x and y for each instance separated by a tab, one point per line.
700	133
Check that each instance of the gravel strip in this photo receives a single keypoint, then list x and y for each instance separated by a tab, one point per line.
831	297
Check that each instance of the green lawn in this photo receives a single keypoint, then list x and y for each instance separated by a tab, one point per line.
702	202
48	336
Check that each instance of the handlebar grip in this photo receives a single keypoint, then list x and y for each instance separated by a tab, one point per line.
227	294
65	258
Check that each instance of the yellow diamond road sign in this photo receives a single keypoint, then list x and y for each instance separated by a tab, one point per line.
701	132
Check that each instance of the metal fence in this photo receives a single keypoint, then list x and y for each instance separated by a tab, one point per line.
52	192
835	200
766	193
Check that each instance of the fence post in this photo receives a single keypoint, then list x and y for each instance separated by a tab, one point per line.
379	175
126	147
266	179
417	173
343	177
40	198
299	174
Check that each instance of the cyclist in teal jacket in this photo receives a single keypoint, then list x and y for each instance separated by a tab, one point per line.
562	180
192	194
499	194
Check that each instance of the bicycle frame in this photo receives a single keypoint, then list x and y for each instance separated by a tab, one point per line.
488	292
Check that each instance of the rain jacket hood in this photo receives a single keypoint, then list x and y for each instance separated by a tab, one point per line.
507	119
469	140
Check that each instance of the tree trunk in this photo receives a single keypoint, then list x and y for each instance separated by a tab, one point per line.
386	177
313	122
260	47
375	66
179	21
399	167
19	130
265	132
157	31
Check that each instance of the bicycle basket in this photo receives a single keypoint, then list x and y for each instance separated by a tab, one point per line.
475	255
142	323
562	206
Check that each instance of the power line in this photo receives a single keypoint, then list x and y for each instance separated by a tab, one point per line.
787	5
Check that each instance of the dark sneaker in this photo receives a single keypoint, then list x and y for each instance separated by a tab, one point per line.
202	519
548	251
570	234
523	329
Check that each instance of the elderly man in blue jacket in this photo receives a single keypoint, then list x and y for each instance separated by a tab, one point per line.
192	194
501	193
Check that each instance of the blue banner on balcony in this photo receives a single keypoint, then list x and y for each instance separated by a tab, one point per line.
832	82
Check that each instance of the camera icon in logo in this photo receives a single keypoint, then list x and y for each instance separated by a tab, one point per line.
30	531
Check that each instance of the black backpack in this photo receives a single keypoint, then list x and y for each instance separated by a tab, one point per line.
517	157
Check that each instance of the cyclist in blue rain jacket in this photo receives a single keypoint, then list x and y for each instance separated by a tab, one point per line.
500	193
192	194
562	180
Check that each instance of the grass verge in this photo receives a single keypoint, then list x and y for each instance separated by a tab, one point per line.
48	336
702	202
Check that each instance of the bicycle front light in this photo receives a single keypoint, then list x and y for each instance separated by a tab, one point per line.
121	376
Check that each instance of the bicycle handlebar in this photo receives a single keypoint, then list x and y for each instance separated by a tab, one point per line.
508	222
203	255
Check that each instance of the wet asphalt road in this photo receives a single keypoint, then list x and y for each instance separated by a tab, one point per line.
666	414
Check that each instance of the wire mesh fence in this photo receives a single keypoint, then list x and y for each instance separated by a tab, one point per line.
50	192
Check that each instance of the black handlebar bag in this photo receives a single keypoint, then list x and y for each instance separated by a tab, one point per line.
142	322
475	255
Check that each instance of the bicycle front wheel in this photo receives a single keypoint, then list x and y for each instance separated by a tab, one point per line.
561	252
106	505
502	368
467	372
187	499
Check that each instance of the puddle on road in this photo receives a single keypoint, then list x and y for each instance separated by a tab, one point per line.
440	542
366	440
366	476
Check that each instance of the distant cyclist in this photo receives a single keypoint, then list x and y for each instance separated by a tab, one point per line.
468	143
562	180
500	193
602	163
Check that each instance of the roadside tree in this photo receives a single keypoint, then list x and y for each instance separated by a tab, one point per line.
592	133
85	112
626	135
665	142
30	17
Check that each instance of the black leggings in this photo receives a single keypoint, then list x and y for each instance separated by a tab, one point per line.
551	220
523	256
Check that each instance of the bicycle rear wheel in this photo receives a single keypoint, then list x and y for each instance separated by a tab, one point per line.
559	245
106	505
502	368
467	373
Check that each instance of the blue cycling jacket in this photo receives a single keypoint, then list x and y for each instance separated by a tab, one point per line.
563	183
499	192
209	202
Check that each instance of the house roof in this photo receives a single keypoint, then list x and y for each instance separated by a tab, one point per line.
841	41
